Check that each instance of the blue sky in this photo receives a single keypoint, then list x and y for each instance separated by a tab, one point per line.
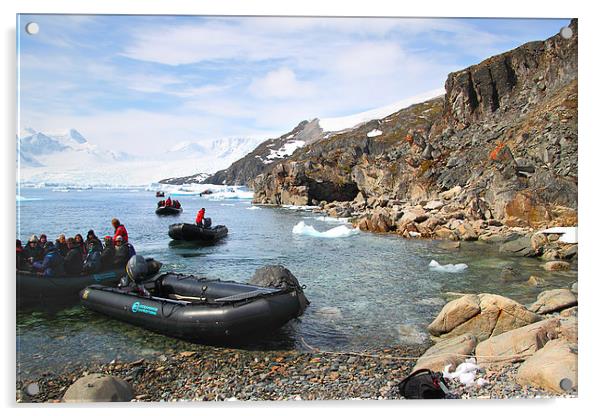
143	83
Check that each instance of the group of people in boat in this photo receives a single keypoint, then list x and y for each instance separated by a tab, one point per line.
169	203
75	256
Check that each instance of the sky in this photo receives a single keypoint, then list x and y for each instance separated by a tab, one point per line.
141	84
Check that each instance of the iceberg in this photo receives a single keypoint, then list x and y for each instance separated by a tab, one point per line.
341	231
448	268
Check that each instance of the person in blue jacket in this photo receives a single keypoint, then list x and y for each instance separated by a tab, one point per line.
92	262
53	264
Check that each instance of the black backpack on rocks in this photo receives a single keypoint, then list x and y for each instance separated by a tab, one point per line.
423	384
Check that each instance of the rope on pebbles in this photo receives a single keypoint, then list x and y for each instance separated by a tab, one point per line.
411	358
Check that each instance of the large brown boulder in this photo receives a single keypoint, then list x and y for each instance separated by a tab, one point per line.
483	315
451	351
98	388
518	344
553	266
554	367
553	300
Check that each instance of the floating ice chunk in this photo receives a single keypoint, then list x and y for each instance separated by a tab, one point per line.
341	231
329	219
448	268
253	207
414	234
24	199
374	133
569	234
227	205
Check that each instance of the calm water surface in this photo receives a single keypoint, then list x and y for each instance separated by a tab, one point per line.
366	290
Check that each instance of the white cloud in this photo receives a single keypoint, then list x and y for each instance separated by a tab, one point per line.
281	83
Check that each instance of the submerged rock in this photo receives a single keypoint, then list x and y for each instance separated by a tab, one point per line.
553	266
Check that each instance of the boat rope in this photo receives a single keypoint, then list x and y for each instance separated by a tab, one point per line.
497	358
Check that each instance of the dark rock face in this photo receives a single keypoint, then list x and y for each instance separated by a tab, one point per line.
505	133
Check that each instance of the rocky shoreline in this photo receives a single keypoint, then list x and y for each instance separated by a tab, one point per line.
521	352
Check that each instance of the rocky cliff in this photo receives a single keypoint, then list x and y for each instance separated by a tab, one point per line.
501	145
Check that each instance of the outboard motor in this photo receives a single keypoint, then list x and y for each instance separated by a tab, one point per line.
280	277
137	270
207	222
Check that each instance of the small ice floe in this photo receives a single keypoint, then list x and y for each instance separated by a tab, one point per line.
253	207
300	207
466	373
341	231
227	205
330	312
569	234
447	268
374	133
414	234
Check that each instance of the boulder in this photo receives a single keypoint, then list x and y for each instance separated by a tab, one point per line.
569	252
452	193
538	241
450	245
450	351
517	344
550	254
519	247
98	388
433	205
483	315
553	368
467	232
553	266
553	300
446	234
574	288
568	327
570	312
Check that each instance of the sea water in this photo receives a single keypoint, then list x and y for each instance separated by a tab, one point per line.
366	290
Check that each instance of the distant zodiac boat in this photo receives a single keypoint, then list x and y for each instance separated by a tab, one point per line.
199	309
168	211
192	232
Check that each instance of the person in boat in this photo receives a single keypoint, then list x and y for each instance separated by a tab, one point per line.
92	261
53	263
43	240
119	230
136	269
74	259
168	202
107	256
161	203
33	251
123	252
82	245
176	204
91	238
200	216
61	245
22	263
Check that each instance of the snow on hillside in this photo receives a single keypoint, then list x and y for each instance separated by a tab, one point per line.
342	123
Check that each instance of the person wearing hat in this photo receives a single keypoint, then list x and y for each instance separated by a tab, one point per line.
61	245
92	261
74	259
119	230
122	252
92	238
52	265
108	253
33	251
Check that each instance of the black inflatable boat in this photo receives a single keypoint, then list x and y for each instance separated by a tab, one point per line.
168	211
33	288
201	310
192	232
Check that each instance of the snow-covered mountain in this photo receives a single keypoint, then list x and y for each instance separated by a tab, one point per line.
68	158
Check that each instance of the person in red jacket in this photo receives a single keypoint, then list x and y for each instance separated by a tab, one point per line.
199	217
168	202
119	230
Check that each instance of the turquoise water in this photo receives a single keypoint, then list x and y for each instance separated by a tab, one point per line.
366	290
